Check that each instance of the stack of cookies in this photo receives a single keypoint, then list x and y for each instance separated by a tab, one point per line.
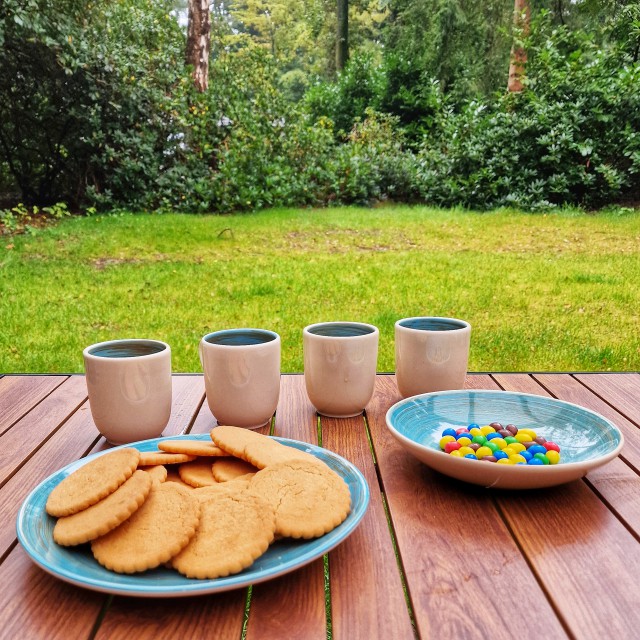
207	509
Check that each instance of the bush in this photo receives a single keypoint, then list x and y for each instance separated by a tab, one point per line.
570	138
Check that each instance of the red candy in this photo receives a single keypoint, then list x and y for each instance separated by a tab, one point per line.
452	446
551	446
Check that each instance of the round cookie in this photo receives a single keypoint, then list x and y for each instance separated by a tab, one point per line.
105	515
226	469
156	471
197	473
156	532
191	447
255	448
234	530
149	458
309	499
92	482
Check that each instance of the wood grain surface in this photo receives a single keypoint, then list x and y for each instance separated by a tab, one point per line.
432	558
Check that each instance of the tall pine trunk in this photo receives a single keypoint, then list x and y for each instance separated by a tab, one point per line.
342	35
199	42
518	58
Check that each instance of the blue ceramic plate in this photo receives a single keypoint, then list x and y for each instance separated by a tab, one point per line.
587	440
77	565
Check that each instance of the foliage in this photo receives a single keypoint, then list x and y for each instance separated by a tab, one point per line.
572	138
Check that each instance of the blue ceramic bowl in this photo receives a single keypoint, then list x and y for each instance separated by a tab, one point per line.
587	440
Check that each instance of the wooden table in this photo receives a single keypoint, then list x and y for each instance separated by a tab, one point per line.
554	563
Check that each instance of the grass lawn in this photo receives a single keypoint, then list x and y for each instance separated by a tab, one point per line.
542	292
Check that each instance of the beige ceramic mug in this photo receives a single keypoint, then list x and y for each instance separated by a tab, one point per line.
340	360
432	354
129	387
241	375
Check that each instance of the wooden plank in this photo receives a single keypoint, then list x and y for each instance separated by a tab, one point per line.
580	551
303	614
616	482
587	560
458	555
19	394
367	597
622	391
215	616
37	606
566	387
26	435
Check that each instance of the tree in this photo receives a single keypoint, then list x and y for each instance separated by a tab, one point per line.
342	34
199	42
518	58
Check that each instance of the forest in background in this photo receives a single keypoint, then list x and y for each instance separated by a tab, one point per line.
100	110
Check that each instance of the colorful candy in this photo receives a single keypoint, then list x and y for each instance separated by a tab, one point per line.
502	445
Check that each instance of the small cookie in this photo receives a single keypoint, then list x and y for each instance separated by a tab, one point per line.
92	482
309	499
234	530
225	469
157	472
103	516
149	458
173	476
255	448
197	473
156	532
191	447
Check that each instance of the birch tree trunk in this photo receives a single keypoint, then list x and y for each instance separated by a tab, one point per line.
342	35
199	42
518	58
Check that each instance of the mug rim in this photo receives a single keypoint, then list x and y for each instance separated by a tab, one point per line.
88	352
273	337
371	329
456	324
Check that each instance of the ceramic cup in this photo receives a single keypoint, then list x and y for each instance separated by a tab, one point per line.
129	387
340	360
432	354
241	375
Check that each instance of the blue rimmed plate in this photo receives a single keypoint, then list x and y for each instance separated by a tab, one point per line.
587	440
77	565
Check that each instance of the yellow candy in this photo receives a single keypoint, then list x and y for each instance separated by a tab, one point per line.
445	439
500	443
483	451
505	461
475	431
456	453
529	432
523	437
465	450
553	456
464	441
487	429
517	446
510	450
516	457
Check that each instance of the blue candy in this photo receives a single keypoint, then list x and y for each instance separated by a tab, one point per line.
535	462
536	448
451	432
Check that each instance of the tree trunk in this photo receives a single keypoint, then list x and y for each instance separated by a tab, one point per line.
342	35
199	42
518	58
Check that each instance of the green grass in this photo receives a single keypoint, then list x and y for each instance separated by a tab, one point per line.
542	292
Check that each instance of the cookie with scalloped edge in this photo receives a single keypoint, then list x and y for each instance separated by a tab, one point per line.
197	473
192	447
234	530
160	529
92	481
255	448
309	499
105	515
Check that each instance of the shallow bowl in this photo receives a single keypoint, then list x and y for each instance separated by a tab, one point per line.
587	440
